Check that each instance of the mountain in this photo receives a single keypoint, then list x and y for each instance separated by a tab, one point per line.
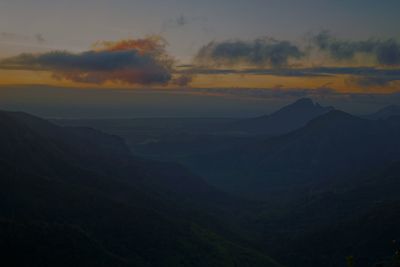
384	113
284	120
326	151
76	196
330	190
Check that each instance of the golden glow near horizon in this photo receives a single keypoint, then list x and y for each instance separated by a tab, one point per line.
340	83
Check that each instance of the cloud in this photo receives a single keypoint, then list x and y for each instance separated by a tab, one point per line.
385	52
136	61
268	52
260	52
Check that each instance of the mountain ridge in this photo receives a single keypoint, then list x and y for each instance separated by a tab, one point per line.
284	120
334	143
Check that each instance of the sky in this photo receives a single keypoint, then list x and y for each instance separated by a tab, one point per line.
196	58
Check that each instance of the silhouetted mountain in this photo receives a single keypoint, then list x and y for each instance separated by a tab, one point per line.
286	119
52	148
327	150
331	189
384	113
84	200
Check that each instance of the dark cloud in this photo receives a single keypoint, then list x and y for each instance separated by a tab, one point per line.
259	52
141	61
386	52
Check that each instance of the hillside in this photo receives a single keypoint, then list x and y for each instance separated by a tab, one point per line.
126	211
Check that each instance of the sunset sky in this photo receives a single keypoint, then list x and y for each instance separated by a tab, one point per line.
125	58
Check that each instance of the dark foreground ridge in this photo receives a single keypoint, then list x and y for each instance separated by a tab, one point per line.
77	197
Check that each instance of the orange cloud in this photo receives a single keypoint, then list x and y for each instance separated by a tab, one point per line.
136	61
149	44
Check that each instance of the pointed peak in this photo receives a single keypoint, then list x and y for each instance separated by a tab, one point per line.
300	104
304	101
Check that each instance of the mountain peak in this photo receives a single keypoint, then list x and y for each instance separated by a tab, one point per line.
286	119
304	101
301	105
